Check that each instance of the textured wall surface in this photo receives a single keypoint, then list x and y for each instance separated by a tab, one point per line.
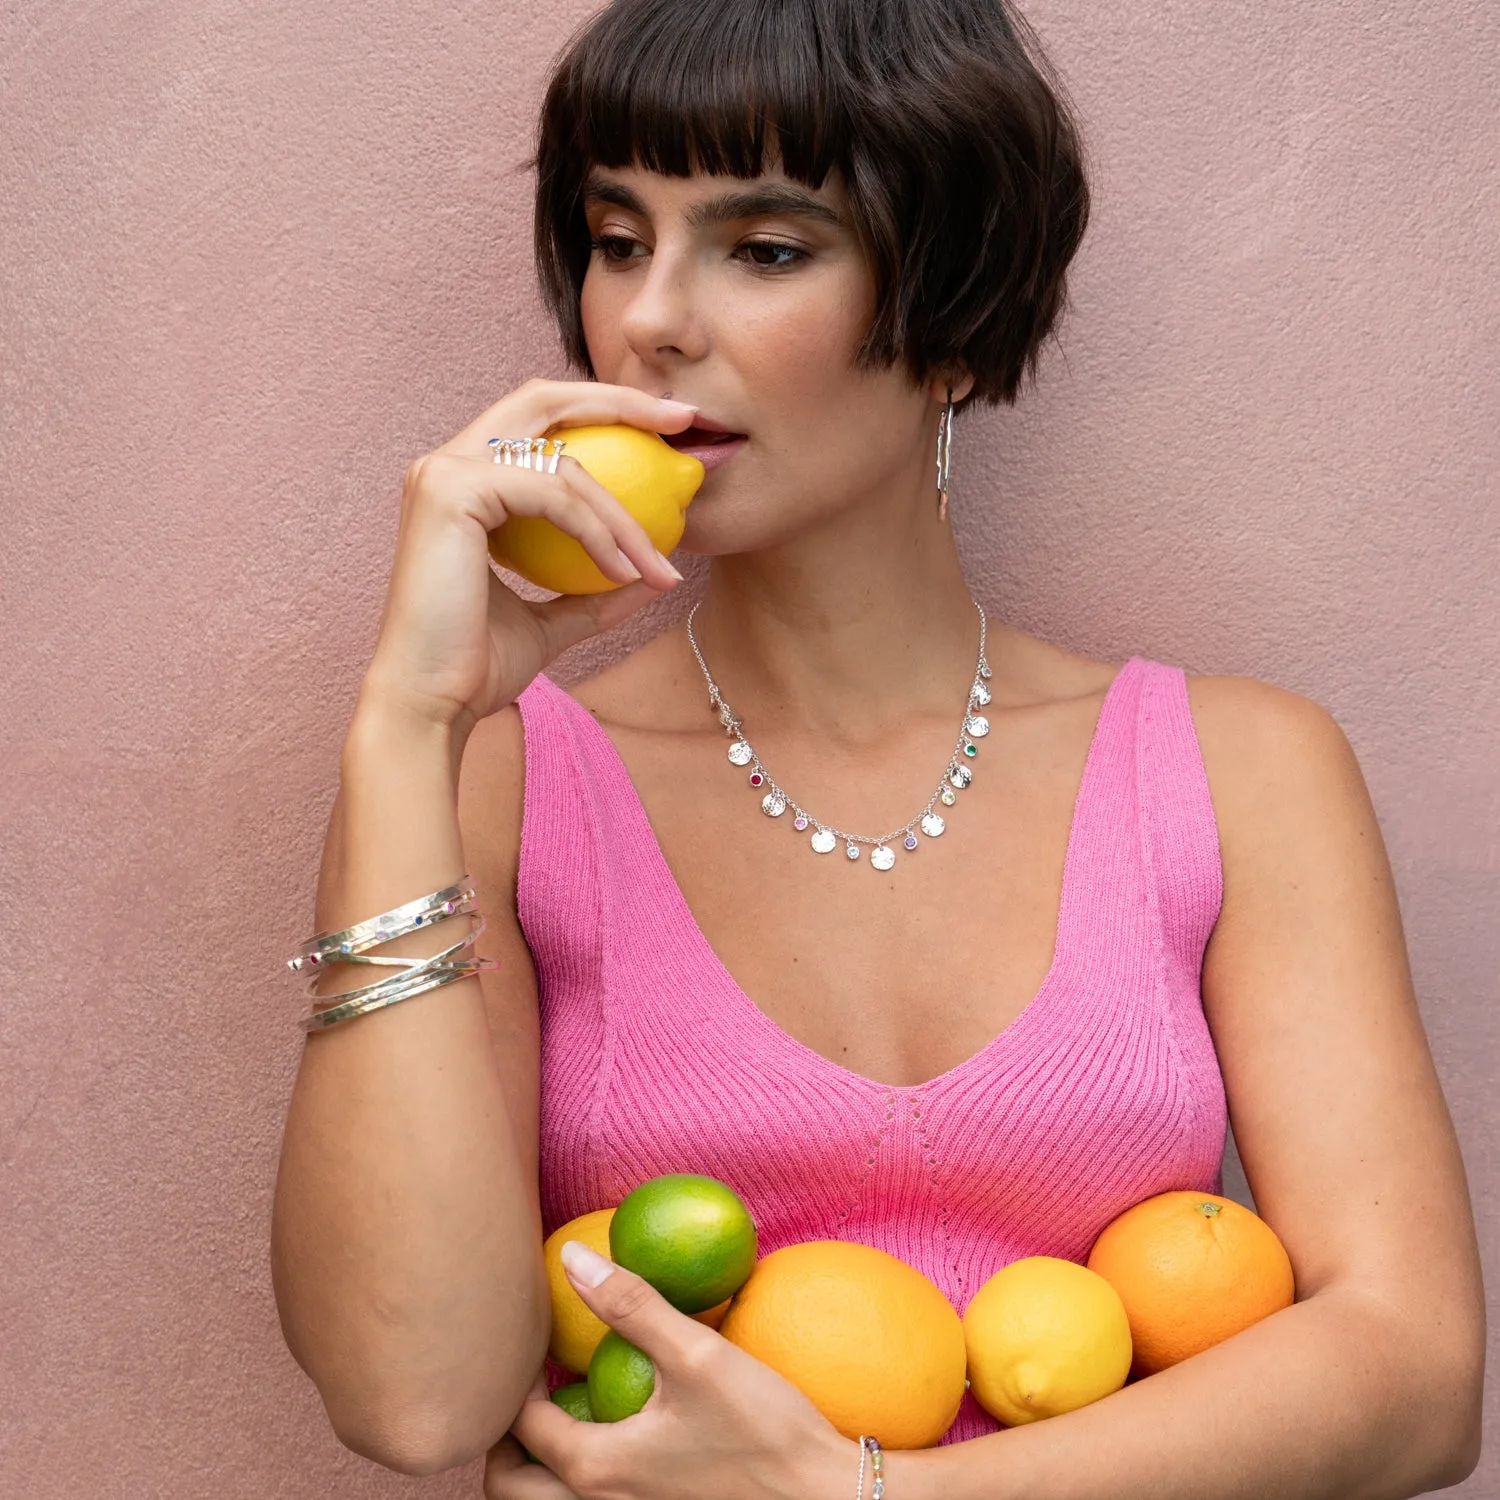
253	259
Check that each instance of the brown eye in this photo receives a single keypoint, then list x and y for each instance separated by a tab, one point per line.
772	255
613	247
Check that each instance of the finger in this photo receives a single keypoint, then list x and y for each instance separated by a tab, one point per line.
572	618
492	493
630	536
635	1309
534	408
509	1475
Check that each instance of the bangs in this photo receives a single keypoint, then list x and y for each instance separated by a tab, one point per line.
729	90
961	163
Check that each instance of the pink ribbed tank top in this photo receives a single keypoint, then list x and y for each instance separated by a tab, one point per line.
1105	1090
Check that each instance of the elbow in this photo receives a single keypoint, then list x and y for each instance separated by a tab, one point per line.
1454	1424
417	1444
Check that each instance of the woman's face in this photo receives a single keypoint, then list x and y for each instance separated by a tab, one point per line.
749	298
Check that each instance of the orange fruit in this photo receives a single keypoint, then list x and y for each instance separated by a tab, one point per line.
1192	1269
870	1341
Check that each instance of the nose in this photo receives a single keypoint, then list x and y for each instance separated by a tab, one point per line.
662	322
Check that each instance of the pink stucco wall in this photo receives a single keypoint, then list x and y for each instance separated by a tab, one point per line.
253	258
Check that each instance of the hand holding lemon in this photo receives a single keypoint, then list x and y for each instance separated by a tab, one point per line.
455	642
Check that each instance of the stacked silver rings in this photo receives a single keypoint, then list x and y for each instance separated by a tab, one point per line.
528	453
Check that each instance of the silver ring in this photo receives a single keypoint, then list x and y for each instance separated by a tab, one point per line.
528	453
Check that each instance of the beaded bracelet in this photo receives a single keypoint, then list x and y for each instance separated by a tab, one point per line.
870	1447
453	900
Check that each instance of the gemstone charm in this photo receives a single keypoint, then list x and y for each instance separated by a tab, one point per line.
823	841
932	825
740	753
756	779
947	796
984	670
853	850
773	804
882	858
977	725
960	776
910	841
981	694
800	822
970	749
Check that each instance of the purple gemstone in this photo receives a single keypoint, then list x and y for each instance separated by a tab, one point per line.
799	823
910	841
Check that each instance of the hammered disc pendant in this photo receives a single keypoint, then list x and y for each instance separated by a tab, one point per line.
977	725
882	858
740	753
960	776
773	804
932	825
823	841
981	694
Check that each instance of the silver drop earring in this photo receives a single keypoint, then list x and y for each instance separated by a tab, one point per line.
944	453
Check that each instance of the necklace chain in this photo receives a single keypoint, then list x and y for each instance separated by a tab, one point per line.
776	800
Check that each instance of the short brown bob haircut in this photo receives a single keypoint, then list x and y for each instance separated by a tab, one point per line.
961	160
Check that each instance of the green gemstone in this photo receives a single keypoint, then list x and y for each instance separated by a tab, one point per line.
971	750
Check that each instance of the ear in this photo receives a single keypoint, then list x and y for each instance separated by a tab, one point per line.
960	381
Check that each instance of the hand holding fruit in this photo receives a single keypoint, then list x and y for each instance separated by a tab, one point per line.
718	1421
455	643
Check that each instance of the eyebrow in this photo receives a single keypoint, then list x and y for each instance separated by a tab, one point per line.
727	207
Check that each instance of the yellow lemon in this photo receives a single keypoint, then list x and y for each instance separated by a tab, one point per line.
1045	1336
575	1330
649	477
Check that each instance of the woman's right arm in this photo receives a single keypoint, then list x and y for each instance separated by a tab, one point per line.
406	1245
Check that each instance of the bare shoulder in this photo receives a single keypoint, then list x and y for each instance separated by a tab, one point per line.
1272	753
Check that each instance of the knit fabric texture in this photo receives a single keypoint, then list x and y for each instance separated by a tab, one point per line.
1104	1091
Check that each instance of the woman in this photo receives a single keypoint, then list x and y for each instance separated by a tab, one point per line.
788	234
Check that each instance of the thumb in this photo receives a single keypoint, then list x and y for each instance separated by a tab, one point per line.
633	1307
571	618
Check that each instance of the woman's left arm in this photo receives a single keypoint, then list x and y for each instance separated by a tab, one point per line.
1369	1386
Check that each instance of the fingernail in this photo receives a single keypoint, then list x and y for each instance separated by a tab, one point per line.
668	566
585	1265
682	405
629	566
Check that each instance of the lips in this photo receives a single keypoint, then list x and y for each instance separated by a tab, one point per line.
702	434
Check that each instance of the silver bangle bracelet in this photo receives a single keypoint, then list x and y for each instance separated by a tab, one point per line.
403	990
411	965
333	947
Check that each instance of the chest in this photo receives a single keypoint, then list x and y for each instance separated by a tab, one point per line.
899	974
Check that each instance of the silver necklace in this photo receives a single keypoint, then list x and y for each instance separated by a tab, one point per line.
825	839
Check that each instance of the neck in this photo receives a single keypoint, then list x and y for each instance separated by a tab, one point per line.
856	626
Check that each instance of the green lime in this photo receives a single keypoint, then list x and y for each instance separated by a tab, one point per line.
621	1379
690	1236
574	1399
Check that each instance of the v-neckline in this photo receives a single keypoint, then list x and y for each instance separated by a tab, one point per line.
777	1034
